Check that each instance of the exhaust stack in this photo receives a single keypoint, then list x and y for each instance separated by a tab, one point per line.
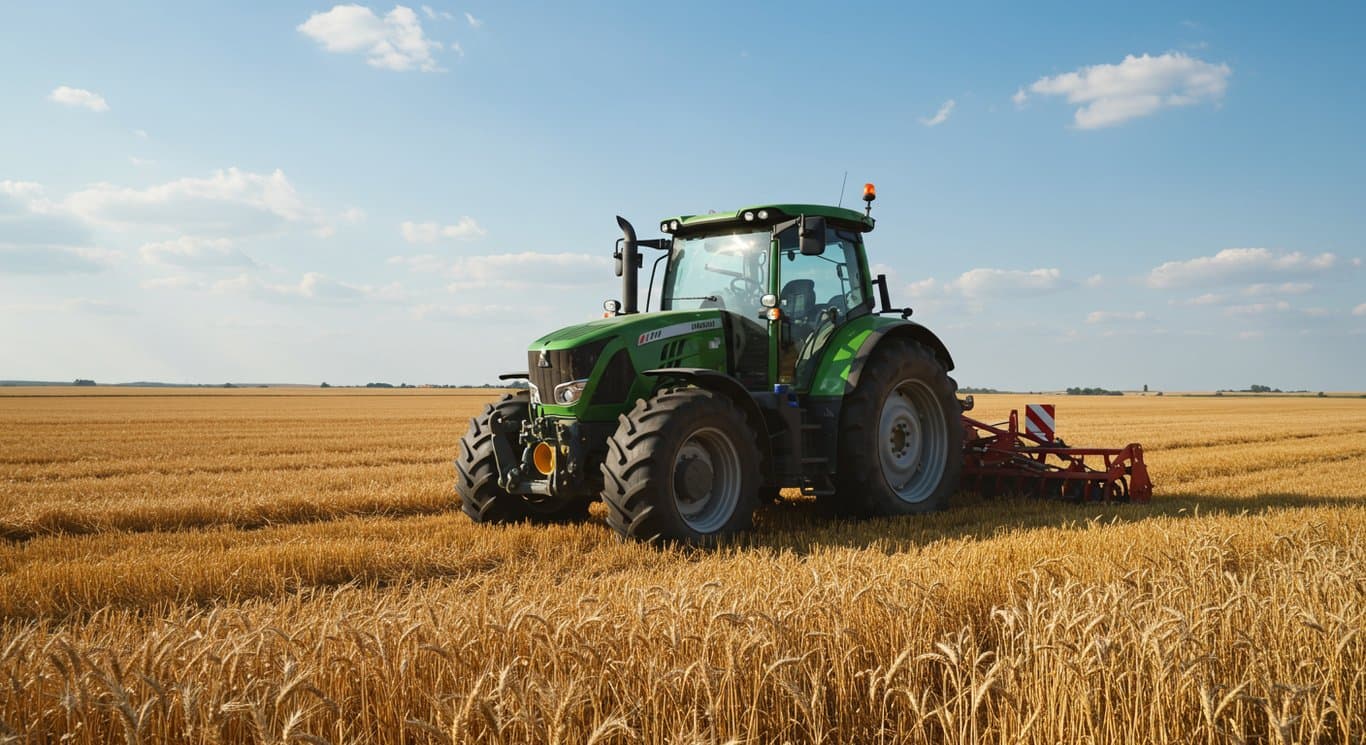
628	266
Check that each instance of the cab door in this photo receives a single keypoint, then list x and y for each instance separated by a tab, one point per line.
816	295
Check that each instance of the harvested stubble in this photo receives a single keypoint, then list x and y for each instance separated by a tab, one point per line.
1229	610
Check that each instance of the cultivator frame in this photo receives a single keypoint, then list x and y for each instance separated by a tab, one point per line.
1002	459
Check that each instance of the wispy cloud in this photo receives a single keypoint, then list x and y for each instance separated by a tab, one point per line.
466	228
527	269
1112	316
79	98
312	287
1107	95
394	42
433	14
940	116
1237	265
226	203
194	252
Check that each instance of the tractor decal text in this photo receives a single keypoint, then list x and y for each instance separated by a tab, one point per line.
678	329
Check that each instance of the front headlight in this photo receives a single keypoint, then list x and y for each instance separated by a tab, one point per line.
569	393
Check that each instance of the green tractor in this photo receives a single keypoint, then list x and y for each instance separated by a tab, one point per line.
767	366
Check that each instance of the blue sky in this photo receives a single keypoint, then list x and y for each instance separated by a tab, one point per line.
298	191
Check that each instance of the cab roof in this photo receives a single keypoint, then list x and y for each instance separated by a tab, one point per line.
775	213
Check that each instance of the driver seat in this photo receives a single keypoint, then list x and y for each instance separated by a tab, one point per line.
798	299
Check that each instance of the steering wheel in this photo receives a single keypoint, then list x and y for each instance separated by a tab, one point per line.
746	290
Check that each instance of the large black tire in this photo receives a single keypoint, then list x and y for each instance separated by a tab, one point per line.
477	475
682	466
901	435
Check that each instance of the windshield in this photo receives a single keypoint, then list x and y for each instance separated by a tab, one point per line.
728	271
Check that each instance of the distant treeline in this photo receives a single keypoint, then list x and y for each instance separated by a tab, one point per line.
1093	392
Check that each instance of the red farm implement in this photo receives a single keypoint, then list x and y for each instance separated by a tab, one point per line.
1002	459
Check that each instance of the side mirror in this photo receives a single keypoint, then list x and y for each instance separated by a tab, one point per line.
811	235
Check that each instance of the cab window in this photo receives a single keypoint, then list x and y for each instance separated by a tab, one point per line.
818	294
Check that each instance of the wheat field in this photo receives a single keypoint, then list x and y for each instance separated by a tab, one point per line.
278	565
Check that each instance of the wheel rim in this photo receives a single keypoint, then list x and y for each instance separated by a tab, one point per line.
707	480
912	441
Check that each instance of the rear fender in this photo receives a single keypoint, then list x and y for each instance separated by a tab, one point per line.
847	353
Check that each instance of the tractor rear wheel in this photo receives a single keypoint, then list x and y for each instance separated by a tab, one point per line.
901	435
481	498
682	466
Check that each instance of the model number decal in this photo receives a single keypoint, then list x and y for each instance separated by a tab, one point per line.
678	329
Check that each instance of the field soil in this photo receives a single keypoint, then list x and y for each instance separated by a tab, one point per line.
267	565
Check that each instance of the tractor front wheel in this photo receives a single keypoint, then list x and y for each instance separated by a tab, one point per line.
682	466
481	498
901	435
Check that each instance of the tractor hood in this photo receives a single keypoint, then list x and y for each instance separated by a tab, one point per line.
638	329
591	370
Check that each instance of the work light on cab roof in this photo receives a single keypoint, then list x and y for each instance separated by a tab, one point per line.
762	360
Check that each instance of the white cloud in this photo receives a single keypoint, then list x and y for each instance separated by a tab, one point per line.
140	134
984	283
466	228
1108	316
1360	310
312	287
474	22
1284	288
940	116
79	98
529	268
394	42
514	270
976	287
1138	86
39	237
140	162
1257	309
1234	265
1209	298
227	203
925	289
194	252
434	14
1019	98
1095	280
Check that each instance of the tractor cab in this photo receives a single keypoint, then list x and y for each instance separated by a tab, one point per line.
788	276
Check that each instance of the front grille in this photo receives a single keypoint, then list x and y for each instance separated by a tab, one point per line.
616	380
565	365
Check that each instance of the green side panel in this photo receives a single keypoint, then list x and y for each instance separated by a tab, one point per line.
832	375
680	338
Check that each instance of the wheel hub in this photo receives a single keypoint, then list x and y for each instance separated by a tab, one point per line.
693	478
912	441
706	480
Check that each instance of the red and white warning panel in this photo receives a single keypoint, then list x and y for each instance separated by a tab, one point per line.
1039	421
